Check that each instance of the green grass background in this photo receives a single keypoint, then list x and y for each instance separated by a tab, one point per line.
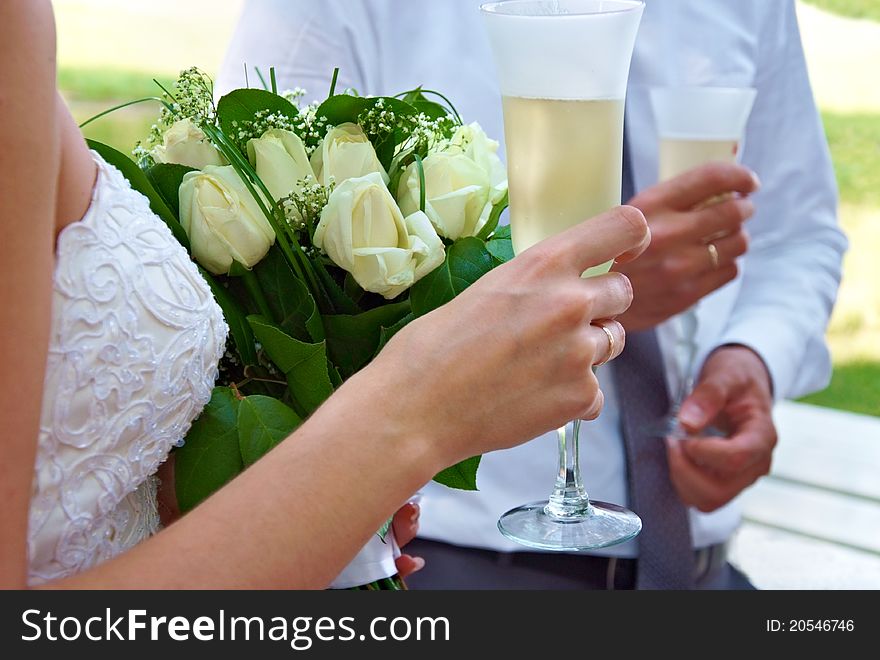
851	8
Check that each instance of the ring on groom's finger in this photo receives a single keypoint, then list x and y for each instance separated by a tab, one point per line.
611	344
713	255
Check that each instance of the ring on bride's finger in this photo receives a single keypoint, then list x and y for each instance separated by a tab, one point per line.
611	344
713	255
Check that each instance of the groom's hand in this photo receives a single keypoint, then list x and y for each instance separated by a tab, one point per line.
685	214
406	526
733	393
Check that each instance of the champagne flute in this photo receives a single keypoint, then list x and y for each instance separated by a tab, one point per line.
695	125
563	68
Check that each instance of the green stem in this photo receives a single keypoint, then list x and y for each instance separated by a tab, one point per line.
272	79
252	284
333	81
262	80
120	106
421	168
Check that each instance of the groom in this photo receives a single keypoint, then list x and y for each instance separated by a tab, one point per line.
762	316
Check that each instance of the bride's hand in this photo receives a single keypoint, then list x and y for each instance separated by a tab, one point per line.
510	358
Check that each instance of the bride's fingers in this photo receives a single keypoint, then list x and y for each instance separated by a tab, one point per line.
406	523
608	338
620	234
610	295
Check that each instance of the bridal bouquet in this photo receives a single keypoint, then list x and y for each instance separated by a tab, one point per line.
322	230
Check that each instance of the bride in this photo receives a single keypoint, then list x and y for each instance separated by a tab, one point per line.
110	341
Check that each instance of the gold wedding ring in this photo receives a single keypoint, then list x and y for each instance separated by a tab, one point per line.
611	344
713	255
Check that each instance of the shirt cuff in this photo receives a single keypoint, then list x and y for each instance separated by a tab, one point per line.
797	365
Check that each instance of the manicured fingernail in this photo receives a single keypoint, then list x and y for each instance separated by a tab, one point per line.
418	564
756	179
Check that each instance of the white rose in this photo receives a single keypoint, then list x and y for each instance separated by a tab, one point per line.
472	141
184	143
456	192
223	220
280	160
363	231
345	153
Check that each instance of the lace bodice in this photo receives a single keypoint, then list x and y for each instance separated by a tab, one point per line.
135	341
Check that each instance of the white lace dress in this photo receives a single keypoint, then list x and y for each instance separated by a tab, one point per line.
136	339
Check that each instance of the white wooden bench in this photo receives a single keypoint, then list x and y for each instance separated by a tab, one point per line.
814	522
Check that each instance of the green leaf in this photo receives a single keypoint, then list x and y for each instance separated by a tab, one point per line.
502	233
432	110
494	216
386	334
166	179
141	183
289	298
467	260
462	476
236	319
501	250
241	105
335	378
342	108
352	340
420	102
263	422
210	456
500	245
383	530
352	289
305	365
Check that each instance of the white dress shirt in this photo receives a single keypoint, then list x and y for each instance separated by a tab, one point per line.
780	304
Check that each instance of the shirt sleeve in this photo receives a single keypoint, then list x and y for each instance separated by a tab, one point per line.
304	40
792	270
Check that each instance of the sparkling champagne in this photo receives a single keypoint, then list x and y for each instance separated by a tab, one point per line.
680	155
564	164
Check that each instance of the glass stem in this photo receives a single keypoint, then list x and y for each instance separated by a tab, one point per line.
687	347
569	500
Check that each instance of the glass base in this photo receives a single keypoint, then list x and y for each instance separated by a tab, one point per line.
603	525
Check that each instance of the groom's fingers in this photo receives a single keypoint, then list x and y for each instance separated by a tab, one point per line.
696	186
620	234
406	523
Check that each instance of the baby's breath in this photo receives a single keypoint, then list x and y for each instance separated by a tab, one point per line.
430	133
192	98
310	127
302	208
263	121
294	95
378	121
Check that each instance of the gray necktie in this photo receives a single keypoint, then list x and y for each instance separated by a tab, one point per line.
666	557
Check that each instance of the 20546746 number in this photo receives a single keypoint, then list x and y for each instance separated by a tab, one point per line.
810	625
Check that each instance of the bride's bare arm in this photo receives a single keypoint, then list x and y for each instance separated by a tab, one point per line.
28	169
505	361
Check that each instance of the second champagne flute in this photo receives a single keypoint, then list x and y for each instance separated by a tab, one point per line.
696	125
563	67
